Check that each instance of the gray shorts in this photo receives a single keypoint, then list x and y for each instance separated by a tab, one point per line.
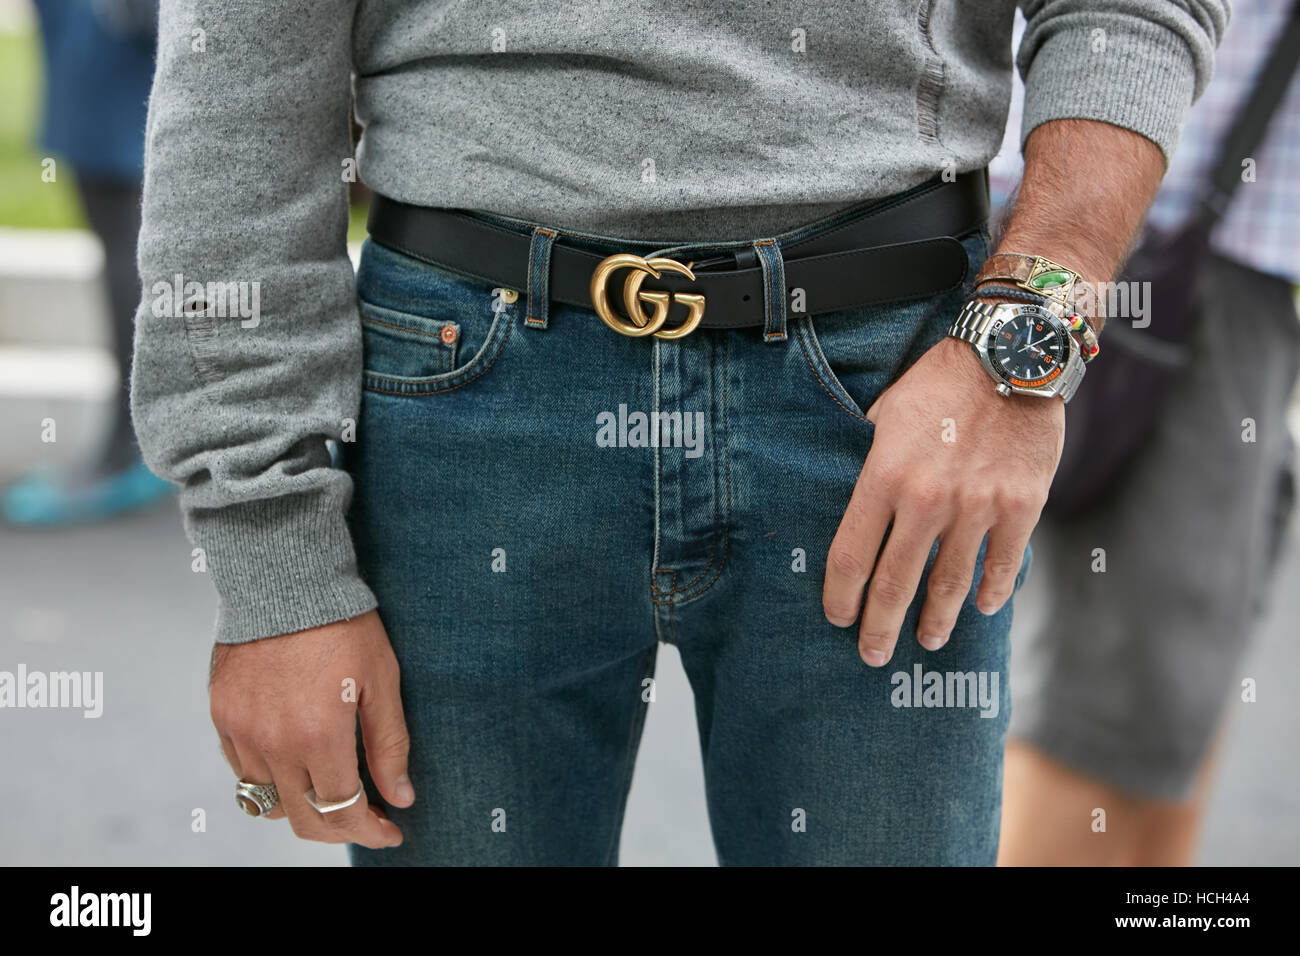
1125	677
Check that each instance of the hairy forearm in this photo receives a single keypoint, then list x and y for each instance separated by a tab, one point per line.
1085	191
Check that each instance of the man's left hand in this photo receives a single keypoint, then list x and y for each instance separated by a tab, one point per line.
951	460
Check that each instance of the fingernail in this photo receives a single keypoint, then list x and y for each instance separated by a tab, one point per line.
987	608
874	658
933	643
839	621
405	792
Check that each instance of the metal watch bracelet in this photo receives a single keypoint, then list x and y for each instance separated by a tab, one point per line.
974	320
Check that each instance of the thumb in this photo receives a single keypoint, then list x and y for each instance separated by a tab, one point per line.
387	743
875	407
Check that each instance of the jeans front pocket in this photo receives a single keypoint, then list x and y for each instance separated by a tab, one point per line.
855	354
426	329
406	345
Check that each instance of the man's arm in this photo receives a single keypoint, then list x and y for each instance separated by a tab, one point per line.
1085	191
1086	187
245	209
1106	95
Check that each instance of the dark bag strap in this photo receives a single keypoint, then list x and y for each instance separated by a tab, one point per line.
1247	131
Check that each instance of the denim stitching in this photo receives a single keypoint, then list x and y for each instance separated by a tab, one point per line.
726	524
629	758
773	268
417	391
539	301
805	347
713	550
367	320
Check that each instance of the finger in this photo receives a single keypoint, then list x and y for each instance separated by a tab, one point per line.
293	782
1002	560
336	778
853	551
949	583
387	743
355	824
893	585
251	766
359	823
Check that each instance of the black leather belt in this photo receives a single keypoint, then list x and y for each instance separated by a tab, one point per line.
900	248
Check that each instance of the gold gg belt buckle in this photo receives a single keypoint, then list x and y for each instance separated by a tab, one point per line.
637	322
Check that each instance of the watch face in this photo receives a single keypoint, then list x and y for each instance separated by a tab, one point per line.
1029	349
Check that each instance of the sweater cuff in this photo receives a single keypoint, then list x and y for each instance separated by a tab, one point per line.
280	565
1142	81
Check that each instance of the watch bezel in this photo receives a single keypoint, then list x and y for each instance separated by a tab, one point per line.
1004	312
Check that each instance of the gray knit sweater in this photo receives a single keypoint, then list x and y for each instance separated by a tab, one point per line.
679	119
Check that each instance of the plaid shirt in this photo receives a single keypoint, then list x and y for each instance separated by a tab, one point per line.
1262	226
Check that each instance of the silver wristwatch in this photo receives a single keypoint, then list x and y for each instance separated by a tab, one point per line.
1027	349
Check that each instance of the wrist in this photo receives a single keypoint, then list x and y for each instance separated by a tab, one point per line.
1021	262
1045	283
967	375
1090	265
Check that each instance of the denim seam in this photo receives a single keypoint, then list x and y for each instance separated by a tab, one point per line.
671	623
804	347
539	299
657	596
366	320
656	366
417	391
634	734
447	352
668	597
773	270
671	597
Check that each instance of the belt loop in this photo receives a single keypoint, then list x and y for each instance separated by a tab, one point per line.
769	258
539	277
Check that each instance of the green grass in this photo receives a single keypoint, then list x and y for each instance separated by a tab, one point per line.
27	201
357	222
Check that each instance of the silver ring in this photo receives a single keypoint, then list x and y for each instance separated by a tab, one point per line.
325	807
256	799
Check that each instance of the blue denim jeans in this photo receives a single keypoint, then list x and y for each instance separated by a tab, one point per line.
531	545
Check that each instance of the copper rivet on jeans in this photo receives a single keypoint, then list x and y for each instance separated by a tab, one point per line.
448	333
509	295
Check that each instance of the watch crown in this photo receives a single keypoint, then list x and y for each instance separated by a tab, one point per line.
1004	389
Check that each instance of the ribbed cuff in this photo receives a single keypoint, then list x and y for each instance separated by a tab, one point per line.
1140	80
280	565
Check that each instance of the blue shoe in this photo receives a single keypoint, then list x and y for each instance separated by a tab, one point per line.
44	499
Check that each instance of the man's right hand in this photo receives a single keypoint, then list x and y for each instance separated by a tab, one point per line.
286	710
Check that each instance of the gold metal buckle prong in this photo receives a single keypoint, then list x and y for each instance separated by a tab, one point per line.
638	323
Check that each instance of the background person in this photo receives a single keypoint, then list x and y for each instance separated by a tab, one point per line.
99	62
1122	688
